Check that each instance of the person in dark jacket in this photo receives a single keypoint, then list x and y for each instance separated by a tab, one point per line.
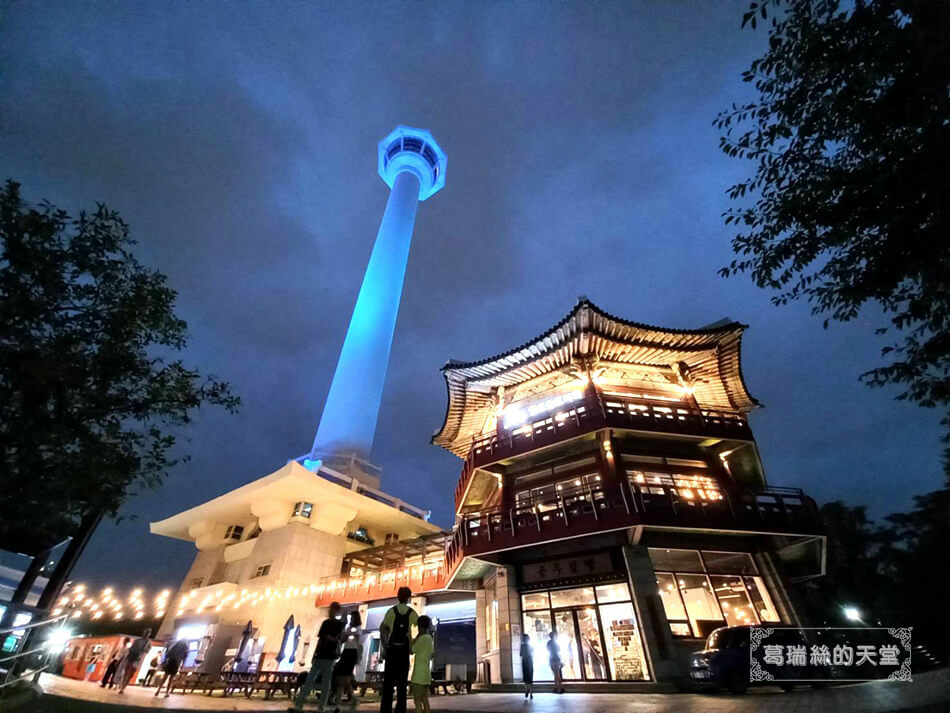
174	657
325	653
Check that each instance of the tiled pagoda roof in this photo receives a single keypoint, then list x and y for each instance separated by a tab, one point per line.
710	354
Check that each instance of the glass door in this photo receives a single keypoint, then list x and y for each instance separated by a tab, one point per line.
582	651
567	640
592	652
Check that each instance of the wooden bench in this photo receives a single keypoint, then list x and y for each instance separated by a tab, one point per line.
270	682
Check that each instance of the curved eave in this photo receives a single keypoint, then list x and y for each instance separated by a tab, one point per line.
564	340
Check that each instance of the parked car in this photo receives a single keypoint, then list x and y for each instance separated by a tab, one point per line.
724	662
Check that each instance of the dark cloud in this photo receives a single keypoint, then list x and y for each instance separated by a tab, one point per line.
238	140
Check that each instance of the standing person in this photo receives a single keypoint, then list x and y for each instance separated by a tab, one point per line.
321	667
343	678
554	658
527	665
422	647
152	666
394	634
130	663
109	675
175	655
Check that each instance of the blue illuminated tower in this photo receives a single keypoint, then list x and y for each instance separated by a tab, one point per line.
413	166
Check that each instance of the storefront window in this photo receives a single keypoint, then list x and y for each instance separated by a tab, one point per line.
623	645
672	603
613	593
596	630
572	597
734	600
537	625
729	562
676	560
701	606
761	599
538	600
696	603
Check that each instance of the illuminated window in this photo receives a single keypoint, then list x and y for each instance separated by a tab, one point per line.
709	589
570	490
698	488
520	412
303	510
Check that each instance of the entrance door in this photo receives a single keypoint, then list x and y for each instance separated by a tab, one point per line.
581	642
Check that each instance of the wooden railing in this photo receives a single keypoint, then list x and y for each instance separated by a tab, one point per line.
778	510
594	413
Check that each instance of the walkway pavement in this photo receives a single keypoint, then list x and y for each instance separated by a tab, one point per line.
928	692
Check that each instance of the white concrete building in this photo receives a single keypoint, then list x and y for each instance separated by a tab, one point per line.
263	548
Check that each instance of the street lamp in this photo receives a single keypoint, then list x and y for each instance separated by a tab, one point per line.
852	614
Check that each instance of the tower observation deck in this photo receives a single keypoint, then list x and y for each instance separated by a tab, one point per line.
413	166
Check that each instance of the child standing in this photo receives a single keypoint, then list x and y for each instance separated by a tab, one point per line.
423	647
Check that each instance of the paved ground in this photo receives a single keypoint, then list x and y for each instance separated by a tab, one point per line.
929	692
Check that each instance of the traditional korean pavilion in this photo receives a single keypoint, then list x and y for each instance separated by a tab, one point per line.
611	491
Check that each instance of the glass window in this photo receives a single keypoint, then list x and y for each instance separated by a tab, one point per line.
537	625
612	593
567	640
761	599
729	563
592	653
680	629
572	597
303	509
687	486
701	606
734	600
669	593
234	532
262	571
622	639
675	560
536	600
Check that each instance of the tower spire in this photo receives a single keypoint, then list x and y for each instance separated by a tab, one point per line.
413	166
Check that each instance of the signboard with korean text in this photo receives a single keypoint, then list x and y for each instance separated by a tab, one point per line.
596	565
784	654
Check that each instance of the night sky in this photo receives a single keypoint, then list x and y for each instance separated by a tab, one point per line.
239	141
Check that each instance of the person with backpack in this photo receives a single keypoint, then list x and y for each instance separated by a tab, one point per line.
396	638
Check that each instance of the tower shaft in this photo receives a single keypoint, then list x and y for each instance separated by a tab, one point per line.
349	416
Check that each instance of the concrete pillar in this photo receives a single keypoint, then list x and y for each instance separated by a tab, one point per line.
509	624
481	644
654	627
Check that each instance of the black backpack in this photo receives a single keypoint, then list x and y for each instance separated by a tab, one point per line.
399	636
